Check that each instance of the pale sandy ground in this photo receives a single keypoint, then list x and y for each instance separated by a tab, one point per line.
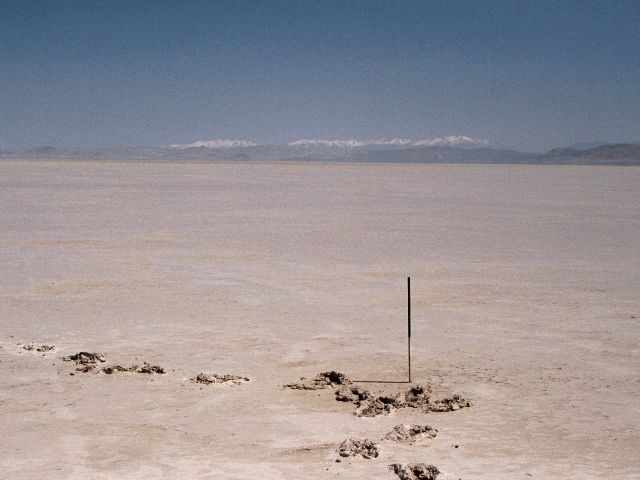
526	284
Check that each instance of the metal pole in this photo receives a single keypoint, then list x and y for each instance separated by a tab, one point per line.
409	324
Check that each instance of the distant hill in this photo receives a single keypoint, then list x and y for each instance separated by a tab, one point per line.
373	152
442	155
586	145
612	154
590	145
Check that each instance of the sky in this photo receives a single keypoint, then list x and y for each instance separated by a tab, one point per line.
529	74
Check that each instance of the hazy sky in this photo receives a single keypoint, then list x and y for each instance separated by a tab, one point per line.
532	74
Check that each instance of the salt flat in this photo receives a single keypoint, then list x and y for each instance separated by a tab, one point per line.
526	299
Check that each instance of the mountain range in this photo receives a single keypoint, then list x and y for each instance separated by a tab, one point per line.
451	149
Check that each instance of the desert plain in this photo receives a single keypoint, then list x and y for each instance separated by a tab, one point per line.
526	301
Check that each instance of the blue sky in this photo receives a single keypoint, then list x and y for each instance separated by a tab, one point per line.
530	74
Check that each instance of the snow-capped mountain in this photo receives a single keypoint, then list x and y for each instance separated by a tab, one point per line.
452	141
448	141
349	143
215	144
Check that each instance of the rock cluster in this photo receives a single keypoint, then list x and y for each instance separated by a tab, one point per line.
411	433
39	348
321	381
144	368
415	471
420	397
88	362
208	378
449	404
353	394
353	447
85	358
369	405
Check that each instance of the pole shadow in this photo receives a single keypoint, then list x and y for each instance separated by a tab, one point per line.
381	381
